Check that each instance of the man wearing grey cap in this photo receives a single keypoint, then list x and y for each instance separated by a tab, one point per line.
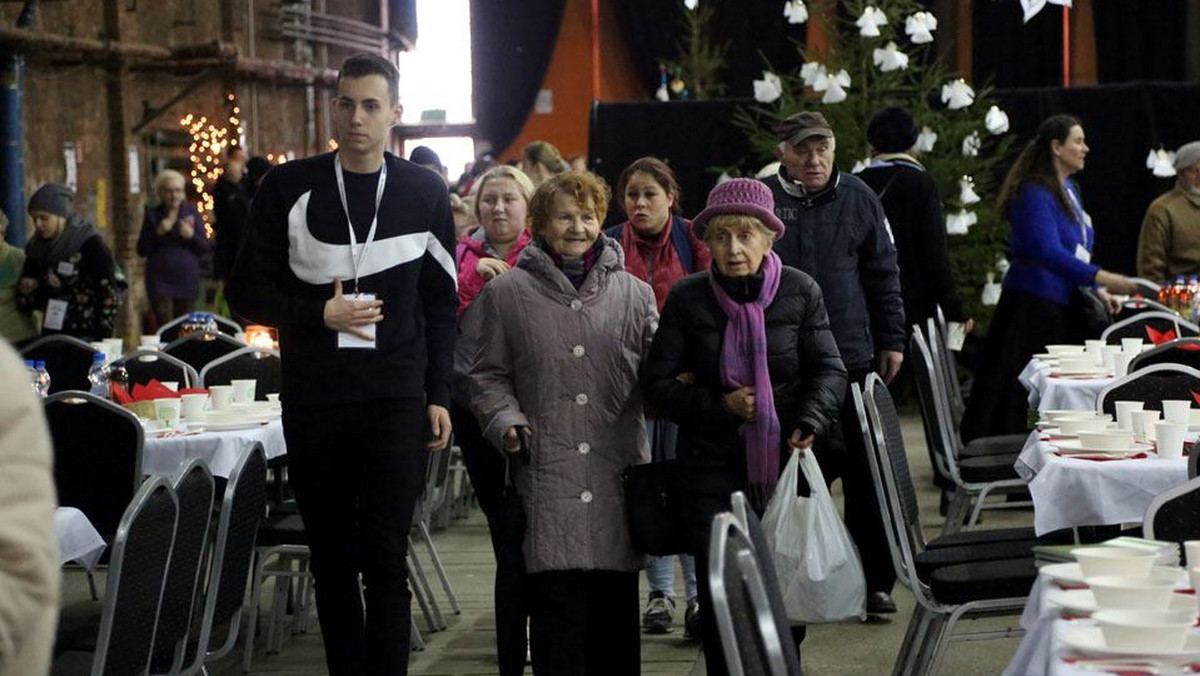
1170	241
836	231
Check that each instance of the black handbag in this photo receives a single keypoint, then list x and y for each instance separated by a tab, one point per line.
654	507
510	518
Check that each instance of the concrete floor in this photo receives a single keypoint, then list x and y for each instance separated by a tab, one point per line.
466	647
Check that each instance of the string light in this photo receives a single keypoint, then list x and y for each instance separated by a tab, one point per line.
209	141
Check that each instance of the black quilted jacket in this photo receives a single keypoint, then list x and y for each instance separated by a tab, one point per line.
807	374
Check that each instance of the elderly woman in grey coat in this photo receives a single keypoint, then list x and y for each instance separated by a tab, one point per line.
562	338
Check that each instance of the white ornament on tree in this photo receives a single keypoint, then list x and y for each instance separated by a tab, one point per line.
833	84
926	139
810	71
958	94
996	120
966	191
691	4
971	145
890	58
991	290
795	11
1161	163
920	27
870	21
961	222
768	89
860	165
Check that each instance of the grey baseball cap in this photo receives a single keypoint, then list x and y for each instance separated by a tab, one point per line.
803	125
1187	155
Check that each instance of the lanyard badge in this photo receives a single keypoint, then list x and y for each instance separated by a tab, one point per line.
357	261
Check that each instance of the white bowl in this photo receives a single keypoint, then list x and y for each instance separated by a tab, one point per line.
1077	363
1068	414
1131	593
1106	440
1077	425
1159	630
1057	350
1097	561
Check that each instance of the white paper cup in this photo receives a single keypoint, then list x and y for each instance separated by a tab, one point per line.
167	411
1194	576
1110	351
1169	437
1125	411
1144	422
243	389
1131	346
192	406
149	342
1120	365
273	397
1096	349
1191	549
222	396
1176	410
170	385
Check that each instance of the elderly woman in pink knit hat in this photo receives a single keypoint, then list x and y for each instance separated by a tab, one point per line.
744	362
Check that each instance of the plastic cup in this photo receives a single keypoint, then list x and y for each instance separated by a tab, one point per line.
243	389
192	406
167	411
1170	440
1125	411
1177	410
1131	346
1144	422
222	396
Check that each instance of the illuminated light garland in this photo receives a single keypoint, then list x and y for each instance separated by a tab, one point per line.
208	143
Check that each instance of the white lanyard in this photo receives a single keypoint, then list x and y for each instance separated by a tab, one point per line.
341	183
1080	213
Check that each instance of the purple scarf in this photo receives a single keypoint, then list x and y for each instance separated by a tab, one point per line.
744	363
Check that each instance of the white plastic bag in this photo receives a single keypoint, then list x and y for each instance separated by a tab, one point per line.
820	574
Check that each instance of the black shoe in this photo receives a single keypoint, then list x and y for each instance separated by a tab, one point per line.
659	615
880	603
691	620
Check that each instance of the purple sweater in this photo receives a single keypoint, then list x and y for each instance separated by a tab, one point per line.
173	263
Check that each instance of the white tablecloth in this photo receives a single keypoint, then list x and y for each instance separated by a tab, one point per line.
78	539
1051	394
219	449
1070	492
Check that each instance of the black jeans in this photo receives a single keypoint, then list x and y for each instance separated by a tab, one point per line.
358	470
584	623
485	466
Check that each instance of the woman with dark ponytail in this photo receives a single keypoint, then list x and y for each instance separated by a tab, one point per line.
1050	249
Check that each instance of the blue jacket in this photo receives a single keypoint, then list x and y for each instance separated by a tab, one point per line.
1043	243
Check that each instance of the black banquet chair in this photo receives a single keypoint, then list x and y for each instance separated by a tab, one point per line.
169	332
97	456
198	349
1174	515
1151	385
144	365
1147	325
68	361
133	597
1184	351
255	363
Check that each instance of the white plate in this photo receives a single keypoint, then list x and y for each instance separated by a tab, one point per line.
1090	641
1070	574
1090	373
233	425
1083	601
1074	446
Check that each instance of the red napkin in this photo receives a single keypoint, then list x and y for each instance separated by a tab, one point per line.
1099	458
1190	347
153	390
193	390
121	394
1196	397
1160	337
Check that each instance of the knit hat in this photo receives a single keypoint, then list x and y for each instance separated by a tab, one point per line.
1187	155
53	198
426	157
892	130
803	125
739	196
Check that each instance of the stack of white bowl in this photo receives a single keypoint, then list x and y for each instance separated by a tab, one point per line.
1138	609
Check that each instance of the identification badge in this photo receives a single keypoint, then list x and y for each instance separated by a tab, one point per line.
351	341
66	268
56	314
956	335
1083	254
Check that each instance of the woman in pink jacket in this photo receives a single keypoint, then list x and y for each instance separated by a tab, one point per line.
502	206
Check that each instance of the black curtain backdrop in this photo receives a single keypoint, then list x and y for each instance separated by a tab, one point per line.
511	46
1140	40
1122	124
1010	53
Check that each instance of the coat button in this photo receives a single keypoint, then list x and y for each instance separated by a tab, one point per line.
577	350
576	304
581	399
585	448
586	496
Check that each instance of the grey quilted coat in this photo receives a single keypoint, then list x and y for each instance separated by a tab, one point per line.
565	362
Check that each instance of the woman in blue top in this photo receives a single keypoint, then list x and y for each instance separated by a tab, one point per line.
1051	252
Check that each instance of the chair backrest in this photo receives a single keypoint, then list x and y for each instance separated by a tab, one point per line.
194	487
1096	308
1193	456
68	360
750	638
170	331
1185	351
749	522
143	365
97	456
141	553
1146	288
1151	385
1174	515
940	350
935	417
258	363
198	349
242	511
1142	324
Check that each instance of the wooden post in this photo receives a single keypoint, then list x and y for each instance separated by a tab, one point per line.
820	34
1083	44
1066	32
124	204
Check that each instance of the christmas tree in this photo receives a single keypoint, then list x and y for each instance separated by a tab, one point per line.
882	56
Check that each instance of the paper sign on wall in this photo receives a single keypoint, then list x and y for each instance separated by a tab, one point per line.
544	105
71	165
135	171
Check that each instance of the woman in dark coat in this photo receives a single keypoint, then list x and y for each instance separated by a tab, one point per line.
744	362
172	239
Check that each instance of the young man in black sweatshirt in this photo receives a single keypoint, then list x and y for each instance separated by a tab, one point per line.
349	255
